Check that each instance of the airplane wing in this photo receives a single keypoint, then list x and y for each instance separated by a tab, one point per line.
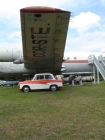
44	32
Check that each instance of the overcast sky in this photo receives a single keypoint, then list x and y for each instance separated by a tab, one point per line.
86	28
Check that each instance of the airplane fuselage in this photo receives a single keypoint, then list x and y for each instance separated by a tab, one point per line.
12	62
76	66
11	68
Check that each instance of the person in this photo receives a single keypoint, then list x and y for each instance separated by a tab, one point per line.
71	78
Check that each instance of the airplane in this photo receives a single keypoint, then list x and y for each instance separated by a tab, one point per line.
44	31
12	63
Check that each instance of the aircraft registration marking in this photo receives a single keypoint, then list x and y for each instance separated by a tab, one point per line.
39	47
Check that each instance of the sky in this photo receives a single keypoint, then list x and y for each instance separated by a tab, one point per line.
86	32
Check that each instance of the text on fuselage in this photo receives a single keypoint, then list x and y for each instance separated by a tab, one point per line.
39	40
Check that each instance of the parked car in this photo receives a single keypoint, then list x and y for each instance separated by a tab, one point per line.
41	81
11	83
2	82
8	83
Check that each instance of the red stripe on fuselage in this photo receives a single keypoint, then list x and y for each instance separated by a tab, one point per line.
76	61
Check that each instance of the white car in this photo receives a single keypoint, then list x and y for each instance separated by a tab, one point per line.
41	81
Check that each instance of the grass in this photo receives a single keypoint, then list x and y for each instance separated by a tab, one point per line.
72	113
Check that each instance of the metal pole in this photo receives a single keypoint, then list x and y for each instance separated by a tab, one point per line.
94	74
98	79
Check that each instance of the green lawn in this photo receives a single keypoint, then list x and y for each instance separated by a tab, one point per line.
72	113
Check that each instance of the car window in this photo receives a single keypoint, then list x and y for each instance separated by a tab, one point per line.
40	77
48	77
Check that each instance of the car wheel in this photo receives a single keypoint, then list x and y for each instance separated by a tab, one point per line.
53	88
26	88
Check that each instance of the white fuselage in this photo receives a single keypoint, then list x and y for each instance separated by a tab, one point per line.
12	62
76	67
77	63
11	68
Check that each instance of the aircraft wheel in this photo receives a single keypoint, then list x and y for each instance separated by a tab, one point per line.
26	89
53	88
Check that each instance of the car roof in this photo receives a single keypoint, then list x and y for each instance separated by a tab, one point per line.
44	74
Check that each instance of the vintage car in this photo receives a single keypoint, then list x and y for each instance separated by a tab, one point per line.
41	81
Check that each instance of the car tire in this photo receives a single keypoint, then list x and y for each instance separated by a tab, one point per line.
53	87
26	89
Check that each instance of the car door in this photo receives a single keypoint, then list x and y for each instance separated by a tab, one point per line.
38	83
48	80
